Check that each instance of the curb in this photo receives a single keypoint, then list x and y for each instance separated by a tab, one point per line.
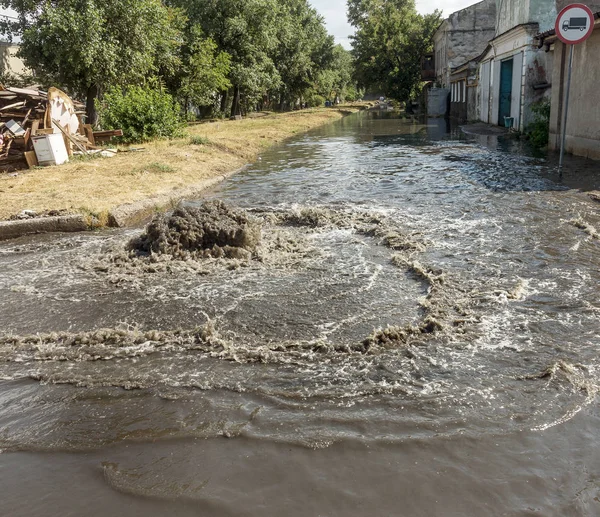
123	216
135	214
65	223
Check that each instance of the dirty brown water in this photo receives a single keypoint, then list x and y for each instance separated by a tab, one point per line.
415	334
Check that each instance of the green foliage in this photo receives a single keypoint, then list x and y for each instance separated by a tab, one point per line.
157	168
204	70
199	140
304	51
391	37
314	100
212	56
353	93
143	113
538	132
246	31
87	46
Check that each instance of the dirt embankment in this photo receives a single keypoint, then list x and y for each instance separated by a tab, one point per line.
121	190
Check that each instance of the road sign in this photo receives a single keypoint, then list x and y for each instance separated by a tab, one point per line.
574	24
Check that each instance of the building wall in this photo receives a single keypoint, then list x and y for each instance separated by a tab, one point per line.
583	126
594	5
511	13
472	103
530	78
9	62
437	102
462	37
459	97
440	43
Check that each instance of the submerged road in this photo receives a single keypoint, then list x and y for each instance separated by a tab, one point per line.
417	335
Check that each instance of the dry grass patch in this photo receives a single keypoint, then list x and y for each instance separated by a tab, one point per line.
95	186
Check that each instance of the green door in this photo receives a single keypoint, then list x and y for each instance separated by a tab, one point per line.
506	75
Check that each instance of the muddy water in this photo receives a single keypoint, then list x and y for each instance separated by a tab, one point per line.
416	334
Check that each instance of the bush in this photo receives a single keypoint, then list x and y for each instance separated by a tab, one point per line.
143	113
538	132
315	101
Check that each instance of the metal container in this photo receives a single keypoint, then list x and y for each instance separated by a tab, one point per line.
50	149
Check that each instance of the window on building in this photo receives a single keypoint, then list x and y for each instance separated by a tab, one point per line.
464	91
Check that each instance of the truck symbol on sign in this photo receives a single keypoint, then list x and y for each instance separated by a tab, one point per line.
574	24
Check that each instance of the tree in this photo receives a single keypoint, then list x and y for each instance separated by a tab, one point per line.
203	72
246	30
335	81
87	46
391	37
304	49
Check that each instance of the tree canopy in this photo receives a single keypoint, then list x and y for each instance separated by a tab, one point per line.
225	55
390	40
86	46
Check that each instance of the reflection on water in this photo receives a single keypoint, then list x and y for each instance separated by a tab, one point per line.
418	330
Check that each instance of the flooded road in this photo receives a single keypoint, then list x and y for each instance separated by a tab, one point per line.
416	334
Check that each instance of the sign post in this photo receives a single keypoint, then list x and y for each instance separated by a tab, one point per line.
574	24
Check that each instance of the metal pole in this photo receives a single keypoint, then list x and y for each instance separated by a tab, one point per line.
564	127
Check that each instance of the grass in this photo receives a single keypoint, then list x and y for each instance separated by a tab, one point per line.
96	185
154	168
199	140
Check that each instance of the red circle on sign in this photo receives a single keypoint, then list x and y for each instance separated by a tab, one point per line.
563	12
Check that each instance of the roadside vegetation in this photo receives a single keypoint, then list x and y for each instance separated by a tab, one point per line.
221	58
538	132
391	38
164	168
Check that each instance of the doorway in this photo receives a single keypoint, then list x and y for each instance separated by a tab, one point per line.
506	76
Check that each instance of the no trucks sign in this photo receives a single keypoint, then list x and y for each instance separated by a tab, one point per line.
574	24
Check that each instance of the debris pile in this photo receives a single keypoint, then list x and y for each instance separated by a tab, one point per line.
213	229
30	118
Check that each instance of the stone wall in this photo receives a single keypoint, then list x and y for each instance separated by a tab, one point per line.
463	36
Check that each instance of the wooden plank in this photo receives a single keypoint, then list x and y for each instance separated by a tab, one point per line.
69	137
15	105
27	140
31	158
89	132
44	132
27	117
13	115
110	133
35	124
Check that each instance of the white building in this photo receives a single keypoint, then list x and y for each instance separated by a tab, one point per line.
513	72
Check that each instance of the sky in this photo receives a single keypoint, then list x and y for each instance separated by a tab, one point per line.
334	12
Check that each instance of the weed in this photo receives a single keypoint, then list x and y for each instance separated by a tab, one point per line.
153	168
199	140
538	131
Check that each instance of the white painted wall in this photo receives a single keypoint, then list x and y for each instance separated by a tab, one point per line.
484	94
517	89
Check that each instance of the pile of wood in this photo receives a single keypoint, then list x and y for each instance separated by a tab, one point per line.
25	113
